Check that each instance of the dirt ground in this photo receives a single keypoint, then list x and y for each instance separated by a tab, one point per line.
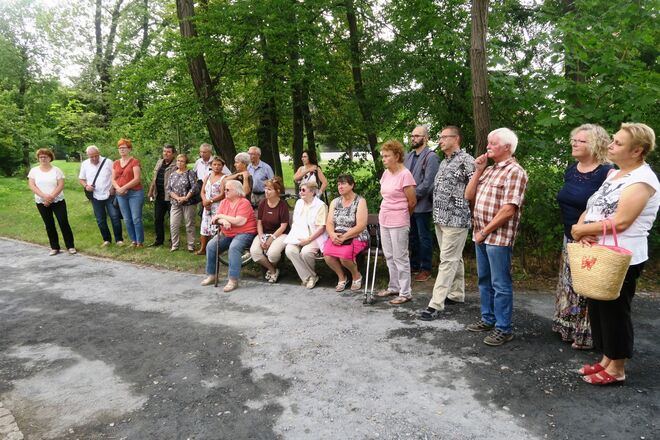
92	349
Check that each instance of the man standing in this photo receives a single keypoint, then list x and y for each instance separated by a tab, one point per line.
260	172
203	165
451	215
423	164
497	193
96	177
161	198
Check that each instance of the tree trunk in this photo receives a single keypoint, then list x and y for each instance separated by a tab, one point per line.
480	107
295	75
307	116
105	57
268	129
360	95
206	93
20	103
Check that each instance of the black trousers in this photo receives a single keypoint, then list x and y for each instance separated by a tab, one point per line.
161	208
611	321
58	209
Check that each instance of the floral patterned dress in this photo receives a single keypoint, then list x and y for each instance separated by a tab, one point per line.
211	190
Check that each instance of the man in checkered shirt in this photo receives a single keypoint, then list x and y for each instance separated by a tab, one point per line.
497	193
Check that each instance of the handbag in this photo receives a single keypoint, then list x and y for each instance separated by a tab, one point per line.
598	270
90	194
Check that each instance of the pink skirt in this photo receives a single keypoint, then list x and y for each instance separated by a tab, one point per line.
344	251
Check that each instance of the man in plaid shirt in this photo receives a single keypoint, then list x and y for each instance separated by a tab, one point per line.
497	193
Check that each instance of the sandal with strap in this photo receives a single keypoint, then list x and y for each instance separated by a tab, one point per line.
356	284
603	378
341	286
386	292
588	370
400	300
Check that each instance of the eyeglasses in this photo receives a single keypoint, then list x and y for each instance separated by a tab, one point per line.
447	136
303	190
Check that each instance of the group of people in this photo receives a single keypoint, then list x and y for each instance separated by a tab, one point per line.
456	194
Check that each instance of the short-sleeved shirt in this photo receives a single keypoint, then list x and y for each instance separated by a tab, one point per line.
47	182
104	181
123	175
394	207
272	218
242	208
203	169
450	208
577	189
181	184
260	174
501	184
604	203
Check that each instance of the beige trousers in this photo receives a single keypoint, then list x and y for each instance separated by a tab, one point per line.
303	259
186	213
274	252
450	282
395	249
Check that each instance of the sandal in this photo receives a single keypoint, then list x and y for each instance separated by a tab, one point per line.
588	370
341	286
356	284
603	378
386	292
231	285
400	300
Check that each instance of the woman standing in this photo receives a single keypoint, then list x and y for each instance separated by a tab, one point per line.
241	162
180	187
130	195
238	228
47	183
397	186
347	233
307	236
629	198
310	171
211	195
272	229
581	179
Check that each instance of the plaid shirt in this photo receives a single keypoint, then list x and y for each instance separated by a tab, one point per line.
500	184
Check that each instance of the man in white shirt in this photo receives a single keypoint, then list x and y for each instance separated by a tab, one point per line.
203	165
96	177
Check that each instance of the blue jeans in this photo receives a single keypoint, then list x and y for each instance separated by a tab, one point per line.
100	208
495	285
131	209
420	241
237	246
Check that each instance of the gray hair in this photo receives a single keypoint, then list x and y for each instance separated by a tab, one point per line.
506	137
257	149
598	140
236	186
312	186
242	157
206	146
91	148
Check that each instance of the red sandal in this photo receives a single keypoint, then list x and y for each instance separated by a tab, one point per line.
588	370
603	378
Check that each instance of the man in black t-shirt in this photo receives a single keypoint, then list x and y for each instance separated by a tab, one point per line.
164	167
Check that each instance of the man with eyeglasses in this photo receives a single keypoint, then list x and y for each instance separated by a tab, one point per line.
96	177
452	219
423	164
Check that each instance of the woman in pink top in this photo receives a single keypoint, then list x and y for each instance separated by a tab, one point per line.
397	186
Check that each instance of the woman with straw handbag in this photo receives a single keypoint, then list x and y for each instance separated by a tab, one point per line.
628	200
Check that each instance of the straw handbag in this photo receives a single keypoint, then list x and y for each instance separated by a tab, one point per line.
598	270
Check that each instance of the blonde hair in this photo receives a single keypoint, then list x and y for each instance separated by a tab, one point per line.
598	140
642	136
311	185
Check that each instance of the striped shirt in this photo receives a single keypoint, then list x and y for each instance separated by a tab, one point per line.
501	184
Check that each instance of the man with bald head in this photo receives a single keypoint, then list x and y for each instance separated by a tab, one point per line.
423	164
96	177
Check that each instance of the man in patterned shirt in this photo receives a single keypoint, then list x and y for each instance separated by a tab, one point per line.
451	215
497	193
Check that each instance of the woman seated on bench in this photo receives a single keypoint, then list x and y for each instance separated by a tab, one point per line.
347	232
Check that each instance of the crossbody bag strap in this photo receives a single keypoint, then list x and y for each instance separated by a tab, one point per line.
99	171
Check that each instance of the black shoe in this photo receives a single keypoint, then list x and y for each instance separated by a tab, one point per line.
156	244
451	302
429	314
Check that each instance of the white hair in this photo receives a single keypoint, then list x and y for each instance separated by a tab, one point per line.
257	149
92	148
206	146
312	186
506	136
236	186
242	157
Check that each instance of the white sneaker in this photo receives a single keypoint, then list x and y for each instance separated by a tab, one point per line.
208	280
311	282
73	251
106	244
120	243
274	276
53	252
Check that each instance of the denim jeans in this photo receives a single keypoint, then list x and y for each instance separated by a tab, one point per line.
495	285
131	209
420	241
100	209
237	245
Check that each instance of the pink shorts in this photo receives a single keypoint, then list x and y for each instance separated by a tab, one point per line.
344	251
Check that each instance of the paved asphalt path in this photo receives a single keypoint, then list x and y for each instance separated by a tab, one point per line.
94	349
